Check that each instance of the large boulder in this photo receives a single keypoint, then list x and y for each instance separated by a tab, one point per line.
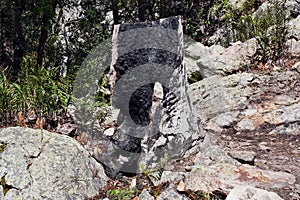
234	58
247	99
251	193
37	164
293	43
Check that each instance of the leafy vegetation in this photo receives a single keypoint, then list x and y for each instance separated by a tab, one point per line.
206	196
270	29
43	43
194	77
268	25
154	174
38	90
122	194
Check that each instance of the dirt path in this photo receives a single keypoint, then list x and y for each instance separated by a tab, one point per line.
273	152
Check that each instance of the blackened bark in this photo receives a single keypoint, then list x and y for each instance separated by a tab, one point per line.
6	35
115	11
141	10
19	40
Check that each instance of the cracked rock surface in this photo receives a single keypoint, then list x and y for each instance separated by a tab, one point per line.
38	164
257	116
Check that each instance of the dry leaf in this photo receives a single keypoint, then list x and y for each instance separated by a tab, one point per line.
82	138
38	123
261	66
181	186
21	119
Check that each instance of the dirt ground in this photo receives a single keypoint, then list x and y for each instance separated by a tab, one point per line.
279	152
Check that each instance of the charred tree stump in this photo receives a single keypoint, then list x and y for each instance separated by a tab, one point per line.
149	87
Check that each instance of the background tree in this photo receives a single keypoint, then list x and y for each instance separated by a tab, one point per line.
57	35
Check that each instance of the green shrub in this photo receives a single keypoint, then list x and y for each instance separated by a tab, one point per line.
38	90
122	194
268	26
270	29
154	174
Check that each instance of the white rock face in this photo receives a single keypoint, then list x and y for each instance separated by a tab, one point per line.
251	193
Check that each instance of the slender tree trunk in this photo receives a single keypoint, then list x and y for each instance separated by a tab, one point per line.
115	9
48	14
6	35
141	10
19	41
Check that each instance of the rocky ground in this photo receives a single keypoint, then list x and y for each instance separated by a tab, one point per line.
269	152
270	142
249	113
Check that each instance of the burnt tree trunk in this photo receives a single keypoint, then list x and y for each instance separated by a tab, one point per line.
141	10
115	9
149	83
19	41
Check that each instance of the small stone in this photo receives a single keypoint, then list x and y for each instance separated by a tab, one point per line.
181	186
213	126
160	141
246	156
296	67
158	91
225	119
249	112
109	132
145	195
171	193
133	183
66	129
245	125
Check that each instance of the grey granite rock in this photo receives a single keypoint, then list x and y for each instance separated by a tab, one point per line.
246	125
193	51
235	100
213	155
294	28
225	176
251	193
243	156
293	46
38	164
171	193
145	195
234	58
216	95
226	119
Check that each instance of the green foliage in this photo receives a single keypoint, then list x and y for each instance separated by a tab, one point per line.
206	196
232	19
154	174
270	29
121	194
268	26
38	90
2	147
8	98
194	77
